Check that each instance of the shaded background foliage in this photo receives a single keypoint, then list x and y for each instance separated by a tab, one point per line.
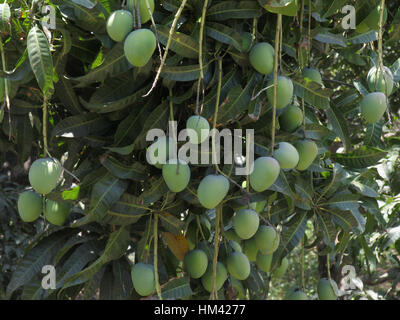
345	205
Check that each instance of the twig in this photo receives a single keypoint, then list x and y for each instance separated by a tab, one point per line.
155	232
171	32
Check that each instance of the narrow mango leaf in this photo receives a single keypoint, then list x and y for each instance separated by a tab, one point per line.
114	63
104	194
313	93
342	201
328	228
373	134
331	38
122	150
361	158
284	7
238	99
332	7
369	36
224	34
176	289
33	261
178	244
227	10
360	88
41	60
171	223
184	73
66	94
157	190
80	125
126	210
135	171
339	126
181	43
344	219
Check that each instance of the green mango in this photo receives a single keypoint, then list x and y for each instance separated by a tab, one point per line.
198	129
29	206
44	175
56	212
250	249
212	190
144	11
119	25
262	57
176	174
383	84
325	290
221	276
281	270
143	278
291	118
246	222
267	239
308	151
287	155
313	74
264	261
373	106
265	172
238	265
139	47
284	92
196	263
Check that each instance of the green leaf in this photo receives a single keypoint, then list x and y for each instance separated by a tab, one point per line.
313	93
133	100
344	219
343	201
176	289
135	171
332	7
80	126
361	158
41	60
369	36
331	38
328	229
227	10
66	94
127	210
373	134
33	261
238	99
104	194
224	34
339	126
181	43
284	7
184	73
114	63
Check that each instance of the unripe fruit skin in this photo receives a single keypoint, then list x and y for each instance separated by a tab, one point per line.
44	175
143	278
29	206
308	151
119	25
56	212
312	74
281	270
250	249
325	290
196	263
373	106
297	295
381	86
266	171
201	129
139	46
212	190
291	118
284	92
262	57
267	239
232	235
144	11
238	265
158	151
207	278
287	155
176	174
264	261
246	222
